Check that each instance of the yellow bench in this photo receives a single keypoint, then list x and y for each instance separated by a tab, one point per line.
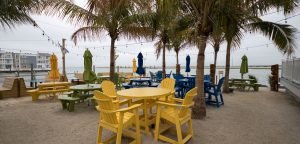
49	88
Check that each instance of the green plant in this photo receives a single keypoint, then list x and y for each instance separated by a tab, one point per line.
254	79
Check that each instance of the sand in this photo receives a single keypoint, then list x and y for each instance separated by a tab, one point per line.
262	117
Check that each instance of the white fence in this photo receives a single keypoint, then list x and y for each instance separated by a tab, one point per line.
291	70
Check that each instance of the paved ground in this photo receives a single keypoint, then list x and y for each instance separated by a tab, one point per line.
248	117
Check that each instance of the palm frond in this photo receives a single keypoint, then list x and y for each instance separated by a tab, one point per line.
69	10
87	33
282	35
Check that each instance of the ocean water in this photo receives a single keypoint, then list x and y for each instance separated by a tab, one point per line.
261	74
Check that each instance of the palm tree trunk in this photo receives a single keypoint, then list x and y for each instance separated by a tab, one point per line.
227	68
199	109
215	60
216	47
177	61
177	64
164	61
112	59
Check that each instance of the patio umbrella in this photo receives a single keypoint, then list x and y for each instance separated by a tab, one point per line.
134	65
54	73
187	66
88	74
244	66
140	70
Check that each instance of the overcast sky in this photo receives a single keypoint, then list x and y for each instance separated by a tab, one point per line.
30	40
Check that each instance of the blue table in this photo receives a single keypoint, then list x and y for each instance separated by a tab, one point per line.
140	82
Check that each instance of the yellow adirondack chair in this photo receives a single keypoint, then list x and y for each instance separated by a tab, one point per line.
116	120
177	114
168	83
109	88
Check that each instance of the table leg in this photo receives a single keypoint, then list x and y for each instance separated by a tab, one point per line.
64	104
146	117
71	106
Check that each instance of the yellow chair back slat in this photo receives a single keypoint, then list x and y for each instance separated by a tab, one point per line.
108	88
168	83
105	103
188	99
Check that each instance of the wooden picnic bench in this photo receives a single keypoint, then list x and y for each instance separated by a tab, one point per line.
13	87
243	83
49	88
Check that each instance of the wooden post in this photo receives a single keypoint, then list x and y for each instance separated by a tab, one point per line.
275	77
63	77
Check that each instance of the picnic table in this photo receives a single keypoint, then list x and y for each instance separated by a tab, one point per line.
84	89
80	92
147	95
243	83
140	82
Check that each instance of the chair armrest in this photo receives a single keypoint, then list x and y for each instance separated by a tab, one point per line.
135	106
119	110
178	100
174	105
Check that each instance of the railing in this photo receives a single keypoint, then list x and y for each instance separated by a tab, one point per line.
291	70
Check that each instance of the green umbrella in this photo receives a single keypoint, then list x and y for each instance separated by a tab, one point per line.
88	75
244	66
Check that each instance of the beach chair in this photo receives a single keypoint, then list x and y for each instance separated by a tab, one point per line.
168	83
215	90
207	77
159	76
177	114
109	88
152	76
169	75
116	120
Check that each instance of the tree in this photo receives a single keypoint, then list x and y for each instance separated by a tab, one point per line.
206	17
178	43
13	12
162	23
117	18
282	35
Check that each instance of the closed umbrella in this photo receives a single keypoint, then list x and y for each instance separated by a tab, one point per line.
244	66
88	74
187	66
134	65
140	70
54	73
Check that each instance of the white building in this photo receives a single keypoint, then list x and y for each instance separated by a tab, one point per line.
10	61
6	60
43	61
23	61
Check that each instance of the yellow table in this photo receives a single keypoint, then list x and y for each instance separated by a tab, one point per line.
146	94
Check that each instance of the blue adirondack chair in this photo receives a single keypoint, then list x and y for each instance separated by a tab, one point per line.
215	90
153	76
207	77
159	76
169	75
179	87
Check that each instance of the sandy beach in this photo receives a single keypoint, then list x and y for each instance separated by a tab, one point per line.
262	117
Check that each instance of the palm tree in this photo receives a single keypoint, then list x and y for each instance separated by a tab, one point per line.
178	43
205	17
16	12
117	18
282	35
216	40
162	23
